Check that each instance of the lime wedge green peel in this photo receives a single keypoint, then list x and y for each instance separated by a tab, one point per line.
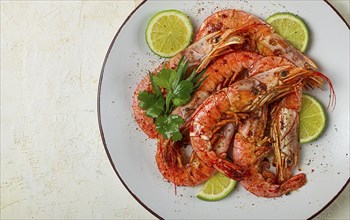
292	28
216	188
169	32
312	119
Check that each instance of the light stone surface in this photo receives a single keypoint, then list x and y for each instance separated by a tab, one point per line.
53	164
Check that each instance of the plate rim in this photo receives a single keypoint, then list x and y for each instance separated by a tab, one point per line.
102	133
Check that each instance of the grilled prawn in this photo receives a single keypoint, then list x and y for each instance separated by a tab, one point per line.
199	55
172	162
251	152
256	34
243	96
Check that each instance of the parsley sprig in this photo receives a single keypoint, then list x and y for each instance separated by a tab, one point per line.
177	89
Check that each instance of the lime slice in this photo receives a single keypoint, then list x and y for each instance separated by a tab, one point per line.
292	28
169	32
216	188
312	119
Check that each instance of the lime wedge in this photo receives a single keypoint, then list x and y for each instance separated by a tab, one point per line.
216	188
169	32
312	119
292	28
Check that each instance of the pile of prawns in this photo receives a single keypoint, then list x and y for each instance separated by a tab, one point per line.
244	113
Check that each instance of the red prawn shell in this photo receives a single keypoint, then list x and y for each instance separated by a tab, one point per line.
145	123
226	19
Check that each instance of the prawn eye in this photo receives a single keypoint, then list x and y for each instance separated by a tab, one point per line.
284	73
216	39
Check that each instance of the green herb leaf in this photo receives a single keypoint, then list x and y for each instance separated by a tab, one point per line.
165	78
180	72
190	78
177	90
198	76
182	93
168	102
198	84
146	99
157	108
152	103
155	88
169	126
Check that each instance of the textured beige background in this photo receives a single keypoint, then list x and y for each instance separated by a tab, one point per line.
53	164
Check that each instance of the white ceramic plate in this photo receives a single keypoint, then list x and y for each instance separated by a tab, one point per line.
325	161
